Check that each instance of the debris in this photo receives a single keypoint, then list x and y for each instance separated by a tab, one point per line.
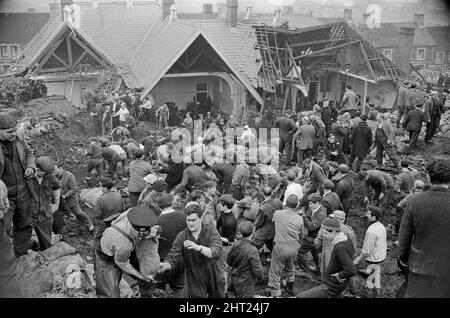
57	251
89	196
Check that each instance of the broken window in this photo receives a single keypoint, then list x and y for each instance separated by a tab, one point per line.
440	57
420	54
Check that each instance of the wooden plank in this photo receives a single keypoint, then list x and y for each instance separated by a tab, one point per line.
48	55
60	59
328	49
69	50
363	51
194	60
79	59
293	45
363	102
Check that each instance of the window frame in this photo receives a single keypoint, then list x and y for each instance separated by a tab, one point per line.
11	50
7	50
442	60
424	53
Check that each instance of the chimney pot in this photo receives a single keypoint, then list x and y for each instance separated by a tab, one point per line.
249	12
348	15
405	44
166	4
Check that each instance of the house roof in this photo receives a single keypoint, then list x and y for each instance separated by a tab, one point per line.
109	26
440	34
21	27
295	20
234	45
387	35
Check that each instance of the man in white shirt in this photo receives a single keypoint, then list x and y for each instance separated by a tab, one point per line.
374	250
121	154
123	114
292	187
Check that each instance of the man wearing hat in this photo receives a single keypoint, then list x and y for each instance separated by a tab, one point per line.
411	98
45	192
313	218
361	141
327	115
374	249
139	168
330	200
344	187
340	266
401	99
108	207
289	231
198	247
113	254
94	159
171	222
17	163
151	195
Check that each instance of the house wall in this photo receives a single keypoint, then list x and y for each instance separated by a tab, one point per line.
428	56
5	61
224	91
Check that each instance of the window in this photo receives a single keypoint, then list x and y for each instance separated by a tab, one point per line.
388	53
440	57
420	54
14	50
5	68
4	51
202	92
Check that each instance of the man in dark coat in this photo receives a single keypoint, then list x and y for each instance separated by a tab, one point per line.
327	114
401	98
413	124
424	236
361	141
344	187
433	111
198	247
287	129
17	165
381	182
330	200
224	172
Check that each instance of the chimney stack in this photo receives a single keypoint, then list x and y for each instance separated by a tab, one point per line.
418	19
405	45
166	4
54	8
32	10
248	13
289	9
207	10
365	16
173	13
232	12
63	4
348	15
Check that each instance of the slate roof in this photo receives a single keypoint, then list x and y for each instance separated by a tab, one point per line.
116	29
21	27
440	34
295	20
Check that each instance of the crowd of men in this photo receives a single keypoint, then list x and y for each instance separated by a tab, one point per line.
21	91
206	227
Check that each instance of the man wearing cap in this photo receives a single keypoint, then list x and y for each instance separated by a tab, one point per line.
151	196
289	231
171	222
198	247
149	180
69	196
424	235
113	255
381	182
95	159
344	187
139	168
333	150
315	173
330	200
264	226
384	139
361	141
413	124
108	207
45	192
312	219
17	163
405	180
418	187
410	98
174	169
287	129
374	248
401	98
327	113
112	159
340	266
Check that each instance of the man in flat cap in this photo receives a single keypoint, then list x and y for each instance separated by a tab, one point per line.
16	165
113	255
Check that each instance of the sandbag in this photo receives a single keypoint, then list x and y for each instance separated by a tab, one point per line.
29	262
58	250
90	196
36	282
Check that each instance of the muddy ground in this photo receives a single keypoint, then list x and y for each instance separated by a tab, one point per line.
68	144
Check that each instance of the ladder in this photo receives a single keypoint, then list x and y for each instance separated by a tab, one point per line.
268	67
